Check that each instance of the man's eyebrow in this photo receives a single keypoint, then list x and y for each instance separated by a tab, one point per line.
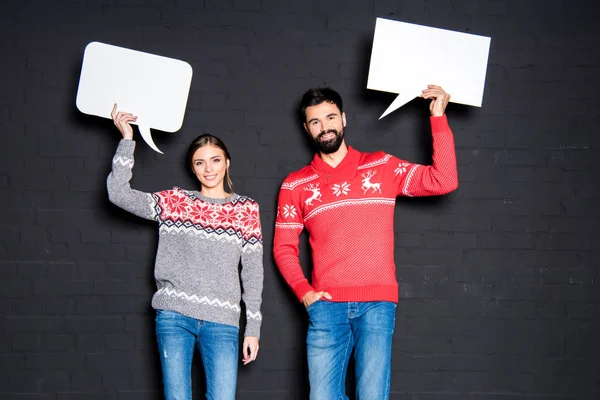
328	115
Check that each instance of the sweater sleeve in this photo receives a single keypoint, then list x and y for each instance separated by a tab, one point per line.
252	269
120	192
430	180
288	227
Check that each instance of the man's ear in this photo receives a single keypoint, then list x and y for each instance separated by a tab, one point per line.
344	119
306	128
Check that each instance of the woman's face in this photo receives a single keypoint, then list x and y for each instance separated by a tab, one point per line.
210	165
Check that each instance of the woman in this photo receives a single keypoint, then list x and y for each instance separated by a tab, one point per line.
203	236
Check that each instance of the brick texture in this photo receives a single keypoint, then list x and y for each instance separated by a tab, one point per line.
501	296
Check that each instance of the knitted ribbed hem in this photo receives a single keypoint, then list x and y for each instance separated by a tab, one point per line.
202	311
439	124
365	293
252	328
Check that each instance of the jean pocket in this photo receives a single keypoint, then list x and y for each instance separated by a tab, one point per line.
313	304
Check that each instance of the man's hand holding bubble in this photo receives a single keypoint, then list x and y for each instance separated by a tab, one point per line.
407	58
439	99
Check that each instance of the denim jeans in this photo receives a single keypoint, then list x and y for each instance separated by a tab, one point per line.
177	336
337	328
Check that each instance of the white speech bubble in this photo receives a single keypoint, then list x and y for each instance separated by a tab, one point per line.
152	87
408	57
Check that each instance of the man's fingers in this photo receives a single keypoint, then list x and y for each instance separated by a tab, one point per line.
326	295
319	295
436	92
431	95
434	89
311	297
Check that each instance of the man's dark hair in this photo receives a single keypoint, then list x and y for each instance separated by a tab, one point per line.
317	96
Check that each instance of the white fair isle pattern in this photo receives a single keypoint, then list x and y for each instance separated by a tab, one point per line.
375	163
292	185
257	315
408	179
200	300
249	248
289	211
401	168
124	161
367	184
152	204
288	225
206	235
345	203
316	194
342	188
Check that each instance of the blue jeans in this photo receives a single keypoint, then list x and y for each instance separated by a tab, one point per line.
177	336
335	329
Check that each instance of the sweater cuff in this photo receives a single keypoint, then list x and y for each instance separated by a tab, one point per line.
302	288
252	328
439	124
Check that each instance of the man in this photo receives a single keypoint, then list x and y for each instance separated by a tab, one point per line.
346	200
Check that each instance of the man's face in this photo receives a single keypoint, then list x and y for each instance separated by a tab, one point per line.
325	124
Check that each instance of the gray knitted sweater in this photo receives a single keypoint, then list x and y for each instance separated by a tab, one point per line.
201	243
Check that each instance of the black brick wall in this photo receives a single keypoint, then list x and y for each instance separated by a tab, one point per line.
500	288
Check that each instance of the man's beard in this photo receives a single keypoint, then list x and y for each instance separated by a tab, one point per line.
331	145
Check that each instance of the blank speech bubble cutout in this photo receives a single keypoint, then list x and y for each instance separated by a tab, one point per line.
408	57
154	88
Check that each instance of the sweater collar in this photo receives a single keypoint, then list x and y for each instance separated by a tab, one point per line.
195	195
345	169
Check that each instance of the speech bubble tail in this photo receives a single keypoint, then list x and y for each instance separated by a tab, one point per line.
147	136
398	102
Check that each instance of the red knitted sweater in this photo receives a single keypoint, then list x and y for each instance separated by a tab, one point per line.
348	212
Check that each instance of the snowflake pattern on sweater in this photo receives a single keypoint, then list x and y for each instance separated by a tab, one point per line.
238	219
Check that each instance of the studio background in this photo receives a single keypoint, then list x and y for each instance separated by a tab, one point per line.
499	280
